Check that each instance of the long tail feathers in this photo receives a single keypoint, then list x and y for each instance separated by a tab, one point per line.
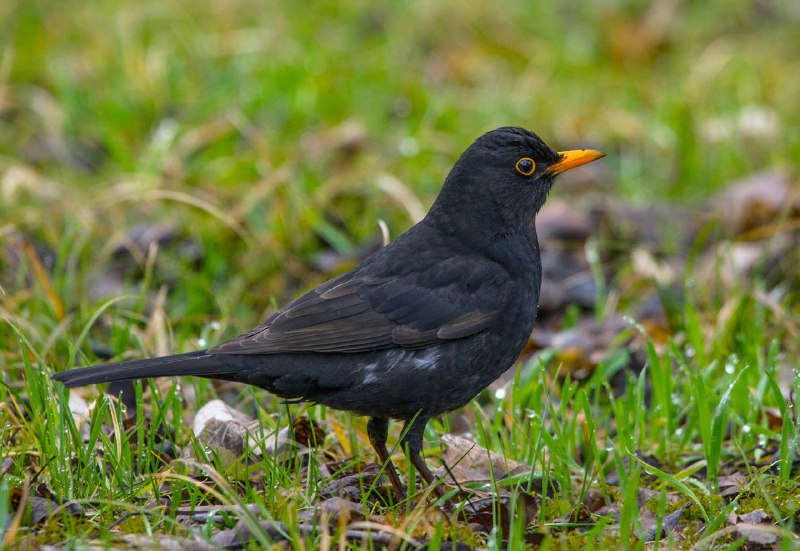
196	363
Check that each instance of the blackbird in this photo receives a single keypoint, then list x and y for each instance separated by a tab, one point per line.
419	327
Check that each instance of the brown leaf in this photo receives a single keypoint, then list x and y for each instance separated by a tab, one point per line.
201	514
669	523
40	508
338	511
307	433
731	485
753	202
593	500
581	348
580	514
222	429
426	522
232	434
774	418
469	462
373	535
5	465
351	485
759	536
484	513
758	516
165	543
652	225
41	503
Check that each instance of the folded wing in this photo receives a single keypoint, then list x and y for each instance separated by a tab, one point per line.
359	312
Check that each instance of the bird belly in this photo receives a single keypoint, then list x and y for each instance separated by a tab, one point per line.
400	383
397	382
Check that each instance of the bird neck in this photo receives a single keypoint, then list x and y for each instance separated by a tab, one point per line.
517	251
515	247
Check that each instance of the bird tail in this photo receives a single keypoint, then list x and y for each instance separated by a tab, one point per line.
196	363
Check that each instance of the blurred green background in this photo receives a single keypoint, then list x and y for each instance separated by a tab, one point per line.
267	135
171	171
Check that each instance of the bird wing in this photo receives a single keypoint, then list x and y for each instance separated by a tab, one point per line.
359	312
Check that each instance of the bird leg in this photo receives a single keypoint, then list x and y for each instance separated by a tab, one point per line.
378	431
414	429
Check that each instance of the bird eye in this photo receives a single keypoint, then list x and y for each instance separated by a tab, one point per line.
525	166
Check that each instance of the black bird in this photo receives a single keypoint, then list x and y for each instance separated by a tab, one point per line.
420	326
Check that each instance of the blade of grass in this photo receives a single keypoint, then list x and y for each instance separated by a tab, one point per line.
718	434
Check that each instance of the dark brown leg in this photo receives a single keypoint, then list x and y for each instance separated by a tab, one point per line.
378	430
414	430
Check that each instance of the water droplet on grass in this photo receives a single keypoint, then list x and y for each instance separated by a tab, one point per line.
729	368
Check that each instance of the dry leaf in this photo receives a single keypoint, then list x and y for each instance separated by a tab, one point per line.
233	434
469	462
752	202
223	429
338	511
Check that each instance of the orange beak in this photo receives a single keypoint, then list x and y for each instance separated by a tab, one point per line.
571	159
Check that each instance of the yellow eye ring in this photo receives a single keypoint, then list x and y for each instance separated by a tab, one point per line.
525	166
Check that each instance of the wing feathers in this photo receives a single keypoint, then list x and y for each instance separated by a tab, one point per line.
466	325
360	312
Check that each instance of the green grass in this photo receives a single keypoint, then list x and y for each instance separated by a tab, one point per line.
265	135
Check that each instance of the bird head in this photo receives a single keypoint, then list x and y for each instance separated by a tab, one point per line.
502	180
